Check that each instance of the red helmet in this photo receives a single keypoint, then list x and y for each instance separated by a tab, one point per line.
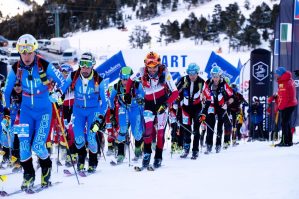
152	59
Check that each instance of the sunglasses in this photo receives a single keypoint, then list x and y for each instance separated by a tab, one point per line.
17	85
85	63
25	48
215	75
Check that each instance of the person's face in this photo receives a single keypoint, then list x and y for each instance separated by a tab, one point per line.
153	70
18	88
124	82
86	67
85	71
193	77
27	58
216	79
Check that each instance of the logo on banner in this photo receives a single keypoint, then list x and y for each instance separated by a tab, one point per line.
296	83
296	10
260	71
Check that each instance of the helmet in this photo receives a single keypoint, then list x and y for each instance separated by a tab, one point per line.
87	60
26	43
66	68
125	73
192	69
152	59
216	71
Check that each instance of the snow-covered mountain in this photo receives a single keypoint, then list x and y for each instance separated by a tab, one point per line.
13	7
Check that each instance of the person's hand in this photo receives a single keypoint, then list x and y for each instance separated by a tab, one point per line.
5	123
202	117
98	124
113	118
55	96
162	108
140	101
127	98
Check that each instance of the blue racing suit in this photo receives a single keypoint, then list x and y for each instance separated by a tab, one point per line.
36	108
129	114
90	101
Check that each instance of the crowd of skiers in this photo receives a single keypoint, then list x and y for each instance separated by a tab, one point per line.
76	109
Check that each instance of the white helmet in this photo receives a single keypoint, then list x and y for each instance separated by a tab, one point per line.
26	43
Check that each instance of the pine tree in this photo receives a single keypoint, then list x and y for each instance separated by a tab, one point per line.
139	37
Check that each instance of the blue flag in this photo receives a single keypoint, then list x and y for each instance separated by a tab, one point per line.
111	68
175	76
228	69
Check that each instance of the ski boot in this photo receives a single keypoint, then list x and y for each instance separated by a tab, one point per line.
218	148
226	145
235	143
194	155
17	168
68	161
146	159
138	153
157	162
186	151
91	169
209	149
120	159
80	167
28	182
46	175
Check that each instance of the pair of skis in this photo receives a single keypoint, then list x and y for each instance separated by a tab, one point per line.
80	173
35	189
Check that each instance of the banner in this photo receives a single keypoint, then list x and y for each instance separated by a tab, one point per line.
260	86
228	69
111	68
296	10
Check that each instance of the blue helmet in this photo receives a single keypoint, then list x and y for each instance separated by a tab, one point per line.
216	71
192	69
66	68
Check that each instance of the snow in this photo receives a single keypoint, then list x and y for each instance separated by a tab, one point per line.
13	7
250	170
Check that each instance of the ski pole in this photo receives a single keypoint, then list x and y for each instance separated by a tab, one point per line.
66	144
184	127
102	151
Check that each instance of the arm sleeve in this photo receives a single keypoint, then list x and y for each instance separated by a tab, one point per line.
172	87
57	76
112	97
104	96
8	88
140	91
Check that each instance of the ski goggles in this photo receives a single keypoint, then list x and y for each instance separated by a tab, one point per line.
192	72
151	63
124	77
85	63
215	75
25	48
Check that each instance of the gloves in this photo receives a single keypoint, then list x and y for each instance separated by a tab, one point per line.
162	108
113	118
140	101
128	98
5	123
98	124
202	117
55	96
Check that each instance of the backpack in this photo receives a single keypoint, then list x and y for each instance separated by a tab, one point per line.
42	68
75	76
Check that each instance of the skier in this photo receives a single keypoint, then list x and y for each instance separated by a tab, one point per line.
234	109
190	88
90	105
33	73
160	93
287	103
220	95
129	114
256	119
10	141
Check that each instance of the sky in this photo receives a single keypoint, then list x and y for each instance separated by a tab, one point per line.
249	171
